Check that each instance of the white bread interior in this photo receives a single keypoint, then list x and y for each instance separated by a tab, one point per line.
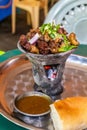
69	113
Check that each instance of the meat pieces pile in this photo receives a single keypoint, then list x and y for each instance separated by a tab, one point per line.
48	39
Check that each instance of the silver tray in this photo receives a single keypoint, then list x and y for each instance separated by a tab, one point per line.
16	78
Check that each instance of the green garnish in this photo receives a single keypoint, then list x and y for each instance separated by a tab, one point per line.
66	48
51	29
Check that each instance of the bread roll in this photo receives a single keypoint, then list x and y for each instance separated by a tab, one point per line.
69	113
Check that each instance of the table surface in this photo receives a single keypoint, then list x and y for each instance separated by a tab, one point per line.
6	124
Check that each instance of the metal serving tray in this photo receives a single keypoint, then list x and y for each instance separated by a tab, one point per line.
16	78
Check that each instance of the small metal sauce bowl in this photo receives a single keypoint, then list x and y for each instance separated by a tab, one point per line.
37	120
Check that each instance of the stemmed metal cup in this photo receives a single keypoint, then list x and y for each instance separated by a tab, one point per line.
48	71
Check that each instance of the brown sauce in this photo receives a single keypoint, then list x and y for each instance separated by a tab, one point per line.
33	104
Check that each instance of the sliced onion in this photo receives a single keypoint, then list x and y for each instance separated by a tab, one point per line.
34	39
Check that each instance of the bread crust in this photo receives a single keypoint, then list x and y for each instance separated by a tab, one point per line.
70	112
